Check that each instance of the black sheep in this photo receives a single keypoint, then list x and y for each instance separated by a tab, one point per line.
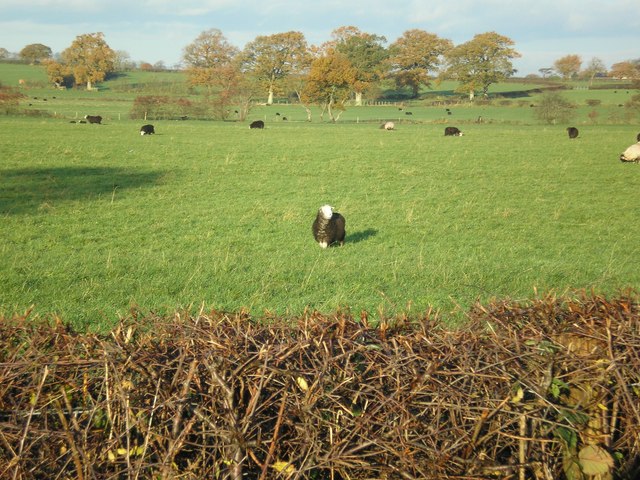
147	130
452	132
257	124
93	119
573	132
328	227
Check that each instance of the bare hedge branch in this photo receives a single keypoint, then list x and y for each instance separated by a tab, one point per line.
544	389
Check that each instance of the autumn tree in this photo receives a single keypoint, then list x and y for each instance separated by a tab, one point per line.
625	70
330	82
297	84
568	66
89	59
213	63
35	53
414	56
481	62
234	88
272	58
207	57
367	55
57	73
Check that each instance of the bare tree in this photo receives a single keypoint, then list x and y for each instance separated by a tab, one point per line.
593	68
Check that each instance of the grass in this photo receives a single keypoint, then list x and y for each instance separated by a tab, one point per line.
97	219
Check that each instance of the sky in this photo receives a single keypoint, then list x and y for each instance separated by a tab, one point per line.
158	30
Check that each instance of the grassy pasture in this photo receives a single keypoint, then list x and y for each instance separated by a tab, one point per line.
97	219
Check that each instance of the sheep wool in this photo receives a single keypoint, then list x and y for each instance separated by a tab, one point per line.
631	154
328	227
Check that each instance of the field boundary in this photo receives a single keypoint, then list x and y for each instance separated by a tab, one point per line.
540	389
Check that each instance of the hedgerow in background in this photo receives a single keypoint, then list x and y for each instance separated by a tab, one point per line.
157	107
554	108
10	100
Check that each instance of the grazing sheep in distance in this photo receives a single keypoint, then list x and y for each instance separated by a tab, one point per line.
93	119
147	130
388	126
573	132
257	124
631	154
328	227
452	132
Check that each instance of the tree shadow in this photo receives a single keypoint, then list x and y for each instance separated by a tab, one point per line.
25	191
361	236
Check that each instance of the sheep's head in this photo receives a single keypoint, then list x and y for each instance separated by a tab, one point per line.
326	211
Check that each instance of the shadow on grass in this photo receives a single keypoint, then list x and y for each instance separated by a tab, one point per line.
361	236
27	190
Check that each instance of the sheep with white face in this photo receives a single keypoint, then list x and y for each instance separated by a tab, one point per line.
328	227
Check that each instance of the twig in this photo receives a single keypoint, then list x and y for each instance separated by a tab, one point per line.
274	438
522	457
75	454
34	402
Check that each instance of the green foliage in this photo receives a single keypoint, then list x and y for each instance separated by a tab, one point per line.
554	108
480	62
35	52
270	59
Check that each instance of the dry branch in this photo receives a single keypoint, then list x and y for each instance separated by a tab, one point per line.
522	388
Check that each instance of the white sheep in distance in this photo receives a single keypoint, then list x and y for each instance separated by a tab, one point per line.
388	126
328	227
631	154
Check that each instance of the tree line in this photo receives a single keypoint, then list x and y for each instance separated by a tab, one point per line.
350	66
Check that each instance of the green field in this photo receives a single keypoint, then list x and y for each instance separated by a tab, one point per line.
97	220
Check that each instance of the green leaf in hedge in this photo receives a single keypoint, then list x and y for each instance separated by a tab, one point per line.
595	460
568	435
